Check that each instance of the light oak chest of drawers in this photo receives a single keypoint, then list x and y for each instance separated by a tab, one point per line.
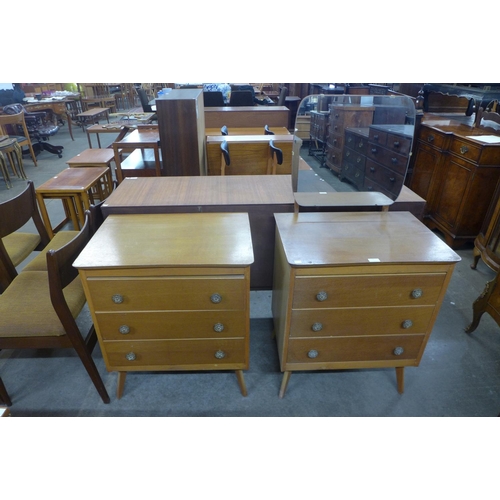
356	290
170	292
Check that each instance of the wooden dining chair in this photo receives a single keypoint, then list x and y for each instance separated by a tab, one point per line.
15	126
17	245
54	299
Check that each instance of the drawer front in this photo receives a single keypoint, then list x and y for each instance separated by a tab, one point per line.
377	137
173	354
353	174
386	178
432	137
169	294
355	158
389	158
466	150
399	144
380	348
355	142
335	141
360	321
336	119
128	326
367	290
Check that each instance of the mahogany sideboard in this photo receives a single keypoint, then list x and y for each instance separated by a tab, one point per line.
456	172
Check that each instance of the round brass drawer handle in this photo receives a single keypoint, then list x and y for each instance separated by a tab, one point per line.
216	298
407	323
317	327
117	298
130	356
220	354
313	353
398	351
218	327
321	296
417	293
124	329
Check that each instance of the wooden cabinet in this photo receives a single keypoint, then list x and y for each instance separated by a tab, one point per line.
356	290
181	126
354	156
457	173
343	116
388	151
170	292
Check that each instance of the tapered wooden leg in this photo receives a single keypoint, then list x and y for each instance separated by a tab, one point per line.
400	377
241	382
284	384
4	395
121	384
476	256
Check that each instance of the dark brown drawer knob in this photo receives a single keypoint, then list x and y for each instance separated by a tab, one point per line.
398	351
417	293
464	150
220	354
313	353
215	298
130	356
407	323
317	327
117	298
124	329
430	138
218	327
321	296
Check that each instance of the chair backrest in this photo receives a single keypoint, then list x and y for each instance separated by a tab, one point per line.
13	109
14	214
241	98
144	101
282	97
213	99
13	120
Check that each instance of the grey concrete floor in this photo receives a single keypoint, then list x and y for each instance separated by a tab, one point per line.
459	374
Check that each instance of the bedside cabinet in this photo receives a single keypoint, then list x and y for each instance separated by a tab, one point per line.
356	290
170	292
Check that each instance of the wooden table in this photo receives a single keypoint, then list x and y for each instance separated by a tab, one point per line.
74	187
137	140
356	290
92	114
261	196
159	303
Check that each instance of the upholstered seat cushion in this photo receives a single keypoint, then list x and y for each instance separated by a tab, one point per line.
19	245
39	263
26	309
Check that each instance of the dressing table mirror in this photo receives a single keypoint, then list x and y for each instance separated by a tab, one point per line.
363	142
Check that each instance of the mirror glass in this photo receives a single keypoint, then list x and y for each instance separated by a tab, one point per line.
356	143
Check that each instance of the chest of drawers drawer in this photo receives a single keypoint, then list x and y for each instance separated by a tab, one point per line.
366	290
326	352
164	293
388	158
353	321
148	325
202	354
378	175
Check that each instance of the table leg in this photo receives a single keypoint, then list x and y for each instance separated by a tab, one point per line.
400	377
68	119
88	139
121	384
44	214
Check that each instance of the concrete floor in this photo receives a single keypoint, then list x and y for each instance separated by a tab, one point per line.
459	374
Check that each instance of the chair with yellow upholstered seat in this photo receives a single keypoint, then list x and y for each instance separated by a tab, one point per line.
54	299
17	244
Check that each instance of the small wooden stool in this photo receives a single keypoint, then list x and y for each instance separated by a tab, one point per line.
10	148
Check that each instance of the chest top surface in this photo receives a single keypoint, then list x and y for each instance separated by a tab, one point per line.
359	238
164	240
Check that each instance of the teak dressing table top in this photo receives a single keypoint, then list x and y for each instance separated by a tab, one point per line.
178	240
316	239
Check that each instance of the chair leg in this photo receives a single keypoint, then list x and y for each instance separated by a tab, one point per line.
4	395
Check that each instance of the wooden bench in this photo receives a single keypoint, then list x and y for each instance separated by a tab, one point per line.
249	154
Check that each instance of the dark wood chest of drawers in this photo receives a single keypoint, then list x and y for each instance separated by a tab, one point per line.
343	116
388	150
354	156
